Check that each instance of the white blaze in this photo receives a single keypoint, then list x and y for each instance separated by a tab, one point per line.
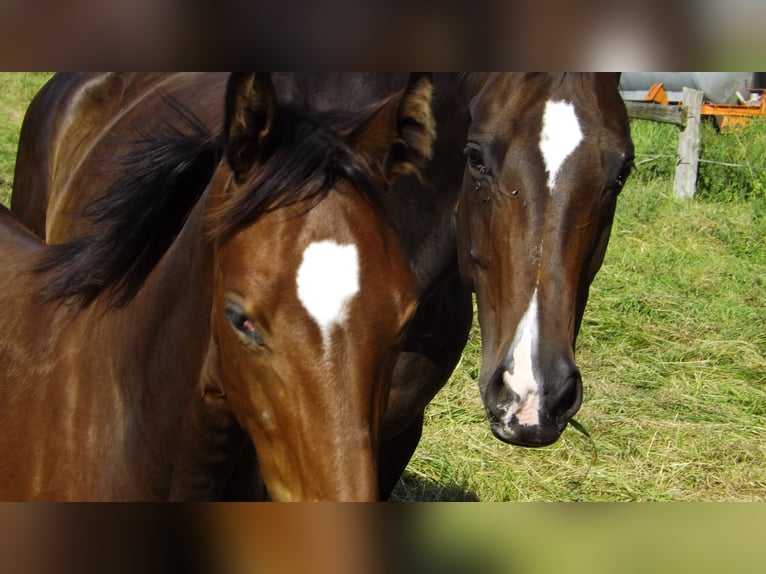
522	381
328	279
560	136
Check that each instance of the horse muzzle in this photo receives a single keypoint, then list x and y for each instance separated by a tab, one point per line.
532	411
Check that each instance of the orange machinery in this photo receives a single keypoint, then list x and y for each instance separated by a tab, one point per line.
728	116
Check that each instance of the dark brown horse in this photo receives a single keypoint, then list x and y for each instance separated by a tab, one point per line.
277	293
547	156
535	210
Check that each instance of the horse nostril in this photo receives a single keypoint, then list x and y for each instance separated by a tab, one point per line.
498	396
568	400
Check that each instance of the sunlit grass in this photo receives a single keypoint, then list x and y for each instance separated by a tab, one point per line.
16	91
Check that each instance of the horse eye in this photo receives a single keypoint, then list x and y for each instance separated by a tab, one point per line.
243	324
619	183
475	159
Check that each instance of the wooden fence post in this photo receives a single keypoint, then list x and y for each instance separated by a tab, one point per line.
688	146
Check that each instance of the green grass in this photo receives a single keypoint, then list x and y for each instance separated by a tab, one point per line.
672	348
732	163
16	91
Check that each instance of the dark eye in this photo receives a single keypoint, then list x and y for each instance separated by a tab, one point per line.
243	324
475	158
622	176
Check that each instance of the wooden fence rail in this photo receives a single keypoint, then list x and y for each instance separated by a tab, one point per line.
656	113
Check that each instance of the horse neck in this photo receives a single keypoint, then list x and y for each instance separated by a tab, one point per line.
159	342
172	310
184	379
110	384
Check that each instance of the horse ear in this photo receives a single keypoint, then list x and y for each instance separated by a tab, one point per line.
398	137
250	108
416	126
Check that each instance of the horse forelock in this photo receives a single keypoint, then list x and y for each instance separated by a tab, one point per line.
309	160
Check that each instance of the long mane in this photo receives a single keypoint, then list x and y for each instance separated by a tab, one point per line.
136	219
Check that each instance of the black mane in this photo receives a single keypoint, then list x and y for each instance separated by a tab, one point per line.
136	219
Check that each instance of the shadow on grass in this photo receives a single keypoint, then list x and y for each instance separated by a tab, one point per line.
460	559
413	488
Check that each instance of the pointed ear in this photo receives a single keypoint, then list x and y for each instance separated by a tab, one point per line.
250	108
416	125
398	138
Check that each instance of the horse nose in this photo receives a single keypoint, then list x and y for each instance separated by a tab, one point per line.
564	397
533	412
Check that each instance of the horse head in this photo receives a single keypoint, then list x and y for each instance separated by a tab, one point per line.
547	156
312	293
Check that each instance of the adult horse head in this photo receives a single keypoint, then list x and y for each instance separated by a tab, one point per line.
547	156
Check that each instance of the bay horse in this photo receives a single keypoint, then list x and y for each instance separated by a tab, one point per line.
516	205
271	297
547	156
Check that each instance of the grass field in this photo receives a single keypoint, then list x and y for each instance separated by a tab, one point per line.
16	91
672	349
